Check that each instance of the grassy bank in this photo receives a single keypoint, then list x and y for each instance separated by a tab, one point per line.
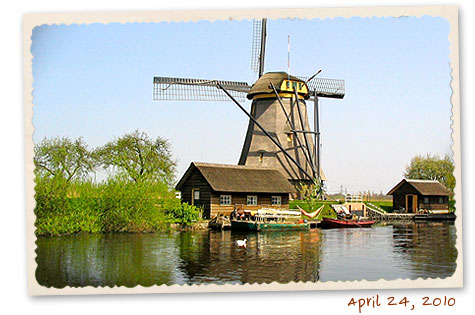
385	205
116	205
388	205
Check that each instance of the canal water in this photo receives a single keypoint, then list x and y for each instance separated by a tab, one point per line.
388	251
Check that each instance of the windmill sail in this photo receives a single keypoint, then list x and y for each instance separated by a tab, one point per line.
187	89
330	88
258	45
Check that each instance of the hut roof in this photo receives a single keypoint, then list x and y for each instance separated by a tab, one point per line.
424	187
262	85
240	178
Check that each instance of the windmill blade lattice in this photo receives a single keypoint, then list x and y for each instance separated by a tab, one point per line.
258	45
331	88
187	89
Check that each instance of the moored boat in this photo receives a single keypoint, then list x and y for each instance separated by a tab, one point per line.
251	225
450	216
345	223
268	219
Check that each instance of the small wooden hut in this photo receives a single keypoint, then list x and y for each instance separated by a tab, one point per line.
411	196
219	188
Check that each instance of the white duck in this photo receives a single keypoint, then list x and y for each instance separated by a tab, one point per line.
241	243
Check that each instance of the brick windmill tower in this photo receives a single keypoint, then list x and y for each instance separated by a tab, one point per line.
279	133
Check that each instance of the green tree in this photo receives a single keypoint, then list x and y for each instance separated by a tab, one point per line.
432	167
63	158
139	157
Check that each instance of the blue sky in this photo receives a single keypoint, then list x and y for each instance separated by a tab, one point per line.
95	81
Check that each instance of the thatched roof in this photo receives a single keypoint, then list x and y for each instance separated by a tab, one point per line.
424	187
262	85
240	178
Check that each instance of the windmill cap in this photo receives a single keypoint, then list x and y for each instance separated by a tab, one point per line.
263	85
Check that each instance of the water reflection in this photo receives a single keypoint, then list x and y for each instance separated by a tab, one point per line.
429	247
388	251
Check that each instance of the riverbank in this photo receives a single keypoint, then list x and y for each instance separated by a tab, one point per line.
198	226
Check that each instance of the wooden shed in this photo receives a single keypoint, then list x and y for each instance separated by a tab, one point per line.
219	188
414	195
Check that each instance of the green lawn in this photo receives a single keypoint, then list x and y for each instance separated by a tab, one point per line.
385	205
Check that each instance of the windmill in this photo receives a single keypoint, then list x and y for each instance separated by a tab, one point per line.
278	132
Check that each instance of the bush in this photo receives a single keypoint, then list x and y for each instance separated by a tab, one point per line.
185	214
116	205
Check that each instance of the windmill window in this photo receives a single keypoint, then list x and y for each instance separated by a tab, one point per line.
252	200
225	200
276	200
261	156
289	137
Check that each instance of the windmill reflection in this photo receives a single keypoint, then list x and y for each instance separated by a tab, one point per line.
268	257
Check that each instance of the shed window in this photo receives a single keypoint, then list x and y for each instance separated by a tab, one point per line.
426	200
225	200
196	194
252	200
276	200
441	199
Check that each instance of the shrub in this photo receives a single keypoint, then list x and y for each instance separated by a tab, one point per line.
185	214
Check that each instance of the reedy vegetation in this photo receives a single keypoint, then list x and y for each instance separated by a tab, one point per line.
137	195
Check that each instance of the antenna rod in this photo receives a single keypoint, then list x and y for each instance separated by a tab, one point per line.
265	132
288	57
263	47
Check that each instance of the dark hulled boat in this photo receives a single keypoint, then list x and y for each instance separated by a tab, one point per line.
245	225
268	220
450	216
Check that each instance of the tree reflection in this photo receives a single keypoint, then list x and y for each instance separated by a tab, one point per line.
105	260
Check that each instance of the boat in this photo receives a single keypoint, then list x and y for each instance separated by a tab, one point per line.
243	225
268	220
346	223
449	216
